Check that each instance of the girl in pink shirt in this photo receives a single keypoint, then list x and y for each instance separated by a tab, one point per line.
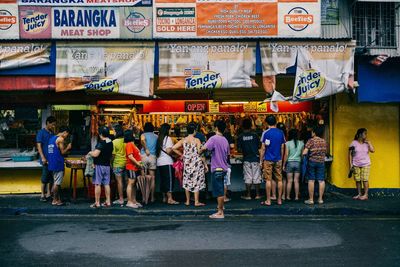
360	161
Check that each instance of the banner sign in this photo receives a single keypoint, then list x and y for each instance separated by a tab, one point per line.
125	68
136	22
238	18
323	68
9	26
35	22
86	3
211	65
18	55
91	22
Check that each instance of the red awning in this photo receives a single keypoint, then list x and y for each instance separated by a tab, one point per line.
27	83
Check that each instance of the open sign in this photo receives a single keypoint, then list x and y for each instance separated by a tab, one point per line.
196	106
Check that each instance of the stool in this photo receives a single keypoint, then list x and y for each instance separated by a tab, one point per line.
74	175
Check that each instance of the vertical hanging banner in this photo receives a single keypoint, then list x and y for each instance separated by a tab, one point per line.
323	68
35	22
9	25
85	22
125	68
185	65
18	55
237	18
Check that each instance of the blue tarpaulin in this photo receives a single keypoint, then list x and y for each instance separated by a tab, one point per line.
379	84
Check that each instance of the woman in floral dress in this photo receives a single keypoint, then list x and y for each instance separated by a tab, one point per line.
194	168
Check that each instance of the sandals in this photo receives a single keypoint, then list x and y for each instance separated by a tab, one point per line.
199	204
309	202
94	206
216	216
133	206
363	198
265	203
356	197
43	199
106	205
173	203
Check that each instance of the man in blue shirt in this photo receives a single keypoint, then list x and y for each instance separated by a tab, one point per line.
42	142
272	146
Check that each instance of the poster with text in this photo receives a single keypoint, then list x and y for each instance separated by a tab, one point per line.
211	65
237	18
18	55
136	22
35	22
85	22
125	68
9	25
87	3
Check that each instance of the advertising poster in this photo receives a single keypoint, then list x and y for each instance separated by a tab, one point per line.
323	68
86	3
136	22
212	65
238	18
85	22
329	12
9	26
35	22
18	55
125	68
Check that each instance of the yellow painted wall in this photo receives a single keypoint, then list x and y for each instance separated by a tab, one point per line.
20	181
382	122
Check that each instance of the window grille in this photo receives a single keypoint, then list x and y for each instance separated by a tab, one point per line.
374	24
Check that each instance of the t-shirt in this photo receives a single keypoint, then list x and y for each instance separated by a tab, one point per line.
151	143
131	148
273	139
43	137
219	147
164	158
106	149
317	149
294	152
248	143
54	156
201	137
361	154
119	153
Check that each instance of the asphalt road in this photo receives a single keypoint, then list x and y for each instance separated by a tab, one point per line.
197	241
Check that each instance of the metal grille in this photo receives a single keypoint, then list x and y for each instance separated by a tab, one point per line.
374	24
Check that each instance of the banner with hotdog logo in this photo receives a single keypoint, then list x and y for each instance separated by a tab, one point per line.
211	65
237	18
322	69
125	68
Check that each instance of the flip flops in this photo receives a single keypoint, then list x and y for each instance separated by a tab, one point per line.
265	203
216	216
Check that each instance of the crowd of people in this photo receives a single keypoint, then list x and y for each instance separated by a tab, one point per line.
278	158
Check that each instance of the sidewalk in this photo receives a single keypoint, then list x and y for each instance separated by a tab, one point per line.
336	204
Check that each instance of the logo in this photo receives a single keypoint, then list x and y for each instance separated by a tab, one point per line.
309	84
35	22
298	19
205	80
6	20
136	22
104	85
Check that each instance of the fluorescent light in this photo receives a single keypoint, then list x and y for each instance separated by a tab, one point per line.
235	103
118	109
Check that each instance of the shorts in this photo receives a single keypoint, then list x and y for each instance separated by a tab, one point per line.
119	171
131	174
58	177
361	174
315	171
272	167
149	162
251	172
167	178
217	179
47	176
293	167
227	178
101	175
